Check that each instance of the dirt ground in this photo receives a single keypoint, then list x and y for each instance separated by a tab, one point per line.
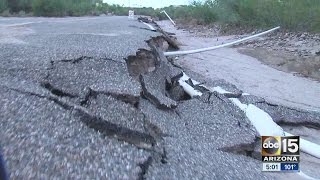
296	53
299	66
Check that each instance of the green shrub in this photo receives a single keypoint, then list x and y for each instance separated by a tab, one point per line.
145	11
301	15
49	7
6	13
296	15
22	14
204	12
3	5
62	7
18	5
79	7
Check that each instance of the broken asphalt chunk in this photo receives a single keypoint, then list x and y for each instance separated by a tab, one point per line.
99	75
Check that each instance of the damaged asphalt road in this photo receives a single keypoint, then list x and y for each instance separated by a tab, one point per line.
81	101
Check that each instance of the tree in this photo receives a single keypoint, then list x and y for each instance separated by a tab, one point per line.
49	7
20	5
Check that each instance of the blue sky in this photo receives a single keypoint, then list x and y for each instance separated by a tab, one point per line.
148	3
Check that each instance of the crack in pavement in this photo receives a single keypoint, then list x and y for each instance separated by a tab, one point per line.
56	91
301	123
154	99
141	140
153	71
144	168
246	149
81	58
126	98
154	83
290	116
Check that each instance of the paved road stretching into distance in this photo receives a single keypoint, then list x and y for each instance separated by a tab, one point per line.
71	109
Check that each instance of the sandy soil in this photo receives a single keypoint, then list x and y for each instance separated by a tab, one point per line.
299	66
246	72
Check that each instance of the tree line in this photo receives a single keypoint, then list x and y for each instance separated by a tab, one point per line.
49	7
296	15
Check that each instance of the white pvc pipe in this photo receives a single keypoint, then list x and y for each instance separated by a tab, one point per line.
168	17
306	176
189	89
174	53
308	147
150	26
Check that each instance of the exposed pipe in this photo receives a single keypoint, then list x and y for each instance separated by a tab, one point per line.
168	17
306	176
175	53
150	26
308	147
187	88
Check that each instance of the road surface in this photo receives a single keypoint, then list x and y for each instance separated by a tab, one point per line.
72	109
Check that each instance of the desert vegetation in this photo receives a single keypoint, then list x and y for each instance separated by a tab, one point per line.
65	8
294	15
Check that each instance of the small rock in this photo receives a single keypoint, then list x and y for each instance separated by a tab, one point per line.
293	50
299	43
286	35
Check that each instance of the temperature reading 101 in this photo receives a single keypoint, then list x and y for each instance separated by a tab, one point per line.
289	166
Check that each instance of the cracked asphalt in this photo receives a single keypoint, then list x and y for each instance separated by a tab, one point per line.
70	108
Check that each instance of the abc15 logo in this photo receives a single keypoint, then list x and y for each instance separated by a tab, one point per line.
278	145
